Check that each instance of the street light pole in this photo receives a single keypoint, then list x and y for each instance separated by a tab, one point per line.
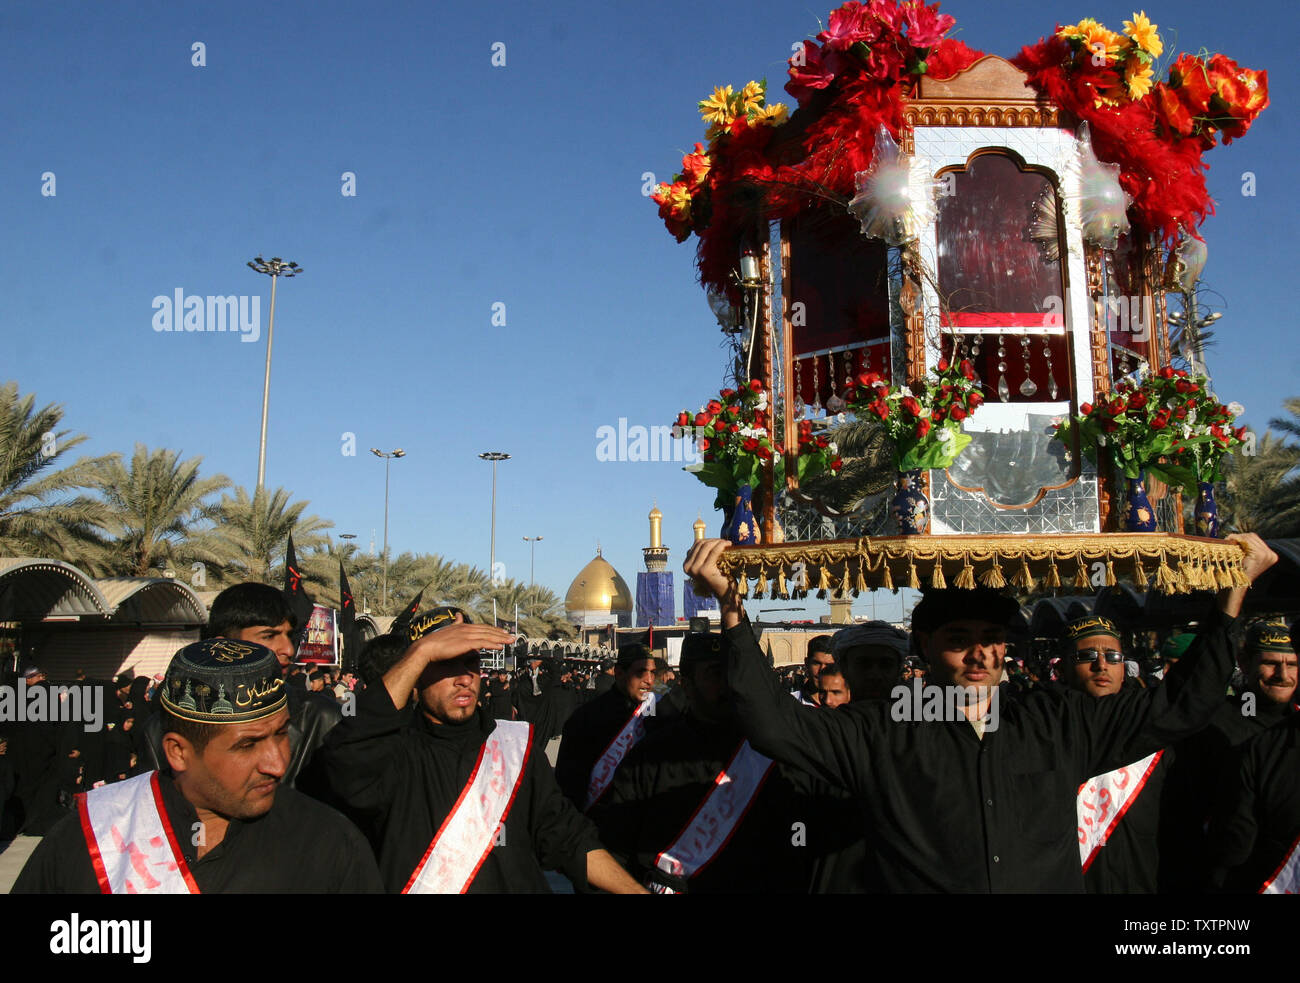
383	602
274	268
494	457
532	551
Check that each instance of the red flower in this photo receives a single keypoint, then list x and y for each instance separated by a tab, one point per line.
765	453
943	365
728	393
683	419
967	370
734	428
703	419
1166	373
1085	409
925	25
755	386
1160	421
714	406
1180	413
750	444
868	379
704	443
760	418
836	464
1240	433
922	427
880	408
974	401
822	442
957	413
937	415
911	405
1116	407
1137	401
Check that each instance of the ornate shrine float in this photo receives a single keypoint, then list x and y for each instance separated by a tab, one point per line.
977	253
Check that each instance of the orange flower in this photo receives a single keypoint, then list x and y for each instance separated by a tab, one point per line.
695	166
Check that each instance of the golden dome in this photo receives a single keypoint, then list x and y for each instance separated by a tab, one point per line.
598	587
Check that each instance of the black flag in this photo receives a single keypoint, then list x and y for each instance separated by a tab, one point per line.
299	603
403	620
348	621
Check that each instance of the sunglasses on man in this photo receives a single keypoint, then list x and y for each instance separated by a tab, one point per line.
1113	656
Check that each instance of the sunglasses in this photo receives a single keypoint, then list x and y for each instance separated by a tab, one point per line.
1113	656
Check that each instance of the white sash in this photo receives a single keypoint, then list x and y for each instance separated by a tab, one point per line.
1286	879
132	846
717	817
1103	800
602	773
470	830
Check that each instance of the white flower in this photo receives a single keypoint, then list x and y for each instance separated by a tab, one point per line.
1101	439
1191	416
1236	409
833	447
762	402
840	418
904	391
946	436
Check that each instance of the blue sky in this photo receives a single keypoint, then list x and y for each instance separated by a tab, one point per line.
476	185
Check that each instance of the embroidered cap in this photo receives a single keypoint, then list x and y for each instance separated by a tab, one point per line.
431	620
1091	624
1268	636
223	681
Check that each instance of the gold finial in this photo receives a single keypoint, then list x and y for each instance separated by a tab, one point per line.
656	528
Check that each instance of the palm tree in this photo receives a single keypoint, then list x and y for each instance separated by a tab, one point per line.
39	513
157	510
868	472
1259	496
253	532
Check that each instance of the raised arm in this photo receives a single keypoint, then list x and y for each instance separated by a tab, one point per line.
1129	726
828	744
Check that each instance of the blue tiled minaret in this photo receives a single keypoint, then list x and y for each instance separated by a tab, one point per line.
654	586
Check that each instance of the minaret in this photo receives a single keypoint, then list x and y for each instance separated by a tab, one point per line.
654	587
692	603
656	554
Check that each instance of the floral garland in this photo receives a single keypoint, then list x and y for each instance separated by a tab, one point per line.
925	427
1157	131
762	164
736	442
1169	424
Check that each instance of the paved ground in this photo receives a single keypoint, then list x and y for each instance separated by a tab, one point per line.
13	854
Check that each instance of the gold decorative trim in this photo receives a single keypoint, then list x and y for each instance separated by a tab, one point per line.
1165	563
956	114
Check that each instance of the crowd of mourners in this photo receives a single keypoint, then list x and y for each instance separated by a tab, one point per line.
1107	759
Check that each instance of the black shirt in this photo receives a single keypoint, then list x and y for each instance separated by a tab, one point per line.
950	812
298	847
665	779
587	734
1256	822
400	783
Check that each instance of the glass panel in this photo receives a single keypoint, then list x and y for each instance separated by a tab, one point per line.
991	259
